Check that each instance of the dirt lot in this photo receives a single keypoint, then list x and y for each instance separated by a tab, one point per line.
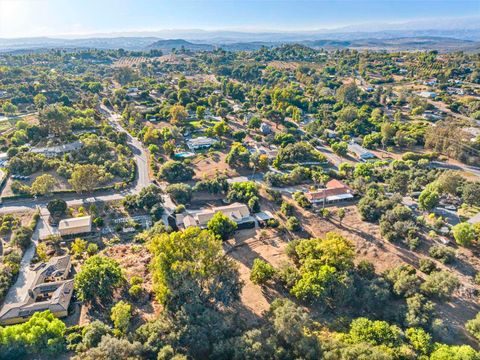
246	247
384	255
250	244
134	260
209	164
62	183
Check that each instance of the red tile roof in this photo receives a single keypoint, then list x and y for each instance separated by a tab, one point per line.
333	187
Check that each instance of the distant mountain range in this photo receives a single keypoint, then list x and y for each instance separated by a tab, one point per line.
408	43
443	35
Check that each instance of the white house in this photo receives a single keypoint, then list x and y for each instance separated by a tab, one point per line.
201	142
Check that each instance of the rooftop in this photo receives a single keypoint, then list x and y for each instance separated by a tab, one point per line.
75	222
236	211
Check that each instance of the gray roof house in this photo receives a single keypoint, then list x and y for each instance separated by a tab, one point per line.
50	290
360	152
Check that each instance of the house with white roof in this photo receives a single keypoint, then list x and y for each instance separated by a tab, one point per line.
75	226
237	212
201	142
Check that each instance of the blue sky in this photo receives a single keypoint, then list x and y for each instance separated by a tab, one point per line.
52	17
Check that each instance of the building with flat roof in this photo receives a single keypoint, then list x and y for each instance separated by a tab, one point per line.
75	226
237	212
50	290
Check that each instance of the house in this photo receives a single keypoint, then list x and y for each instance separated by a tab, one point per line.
49	290
430	82
265	129
201	142
263	217
335	191
331	134
75	226
236	212
59	150
427	94
360	152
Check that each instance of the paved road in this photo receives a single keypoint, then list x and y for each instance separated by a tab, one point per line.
18	291
467	168
142	179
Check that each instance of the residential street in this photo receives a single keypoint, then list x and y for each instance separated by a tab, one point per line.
18	291
142	179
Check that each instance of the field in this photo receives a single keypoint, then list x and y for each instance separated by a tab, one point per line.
369	246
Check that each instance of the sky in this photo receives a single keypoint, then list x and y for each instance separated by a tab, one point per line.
26	18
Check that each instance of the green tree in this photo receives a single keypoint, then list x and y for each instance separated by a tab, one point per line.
98	279
238	156
452	352
42	334
471	193
262	272
464	234
374	333
178	113
40	101
347	93
200	112
340	148
113	348
121	314
8	108
429	197
387	131
189	267
222	226
341	213
175	171
57	207
180	193
419	339
54	118
43	185
85	178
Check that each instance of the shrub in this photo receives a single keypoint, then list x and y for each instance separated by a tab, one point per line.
92	249
473	326
464	234
442	253
135	291
261	272
427	266
293	224
222	226
302	200
440	284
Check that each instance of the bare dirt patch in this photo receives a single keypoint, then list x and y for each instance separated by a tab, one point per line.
247	246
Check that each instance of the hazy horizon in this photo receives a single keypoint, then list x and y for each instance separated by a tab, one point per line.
62	18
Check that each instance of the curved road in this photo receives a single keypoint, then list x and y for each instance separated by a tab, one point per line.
142	179
18	291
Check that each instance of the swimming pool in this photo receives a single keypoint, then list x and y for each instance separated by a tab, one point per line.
185	154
